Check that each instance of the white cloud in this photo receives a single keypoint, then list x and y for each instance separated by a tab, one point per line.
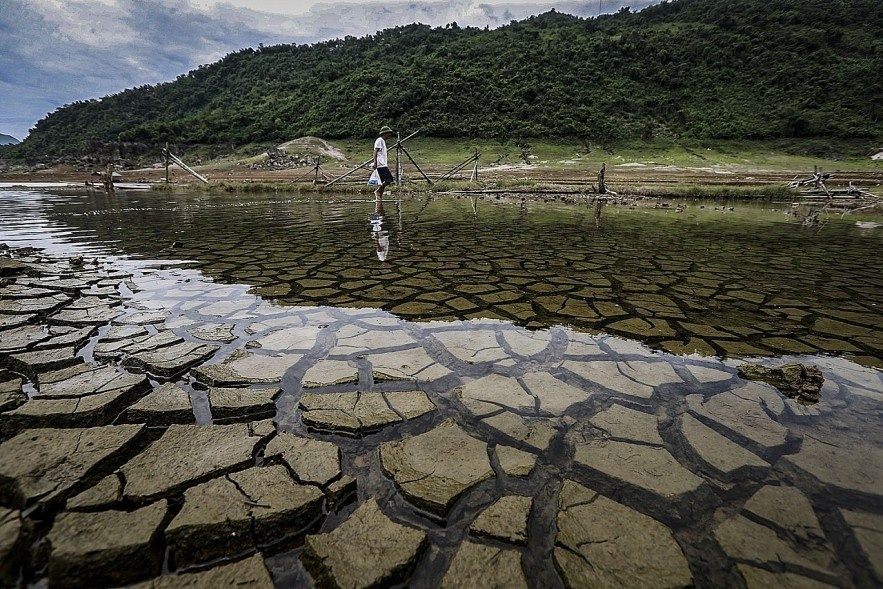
95	23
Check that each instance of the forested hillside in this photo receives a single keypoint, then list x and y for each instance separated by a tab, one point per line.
703	69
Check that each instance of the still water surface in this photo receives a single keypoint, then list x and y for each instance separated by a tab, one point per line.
737	280
741	282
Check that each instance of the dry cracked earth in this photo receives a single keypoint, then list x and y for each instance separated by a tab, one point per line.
158	431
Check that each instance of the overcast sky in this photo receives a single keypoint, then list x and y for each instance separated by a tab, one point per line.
56	52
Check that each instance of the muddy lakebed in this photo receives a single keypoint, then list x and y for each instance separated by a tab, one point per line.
441	391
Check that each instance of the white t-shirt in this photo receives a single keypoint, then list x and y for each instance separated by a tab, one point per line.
381	157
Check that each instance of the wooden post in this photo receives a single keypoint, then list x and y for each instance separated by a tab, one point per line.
166	154
399	148
108	178
474	177
602	186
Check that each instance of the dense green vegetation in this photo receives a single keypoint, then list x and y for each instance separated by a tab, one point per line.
684	69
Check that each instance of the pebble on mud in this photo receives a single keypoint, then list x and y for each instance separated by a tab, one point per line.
794	380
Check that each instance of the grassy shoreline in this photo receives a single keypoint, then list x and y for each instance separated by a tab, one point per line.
659	168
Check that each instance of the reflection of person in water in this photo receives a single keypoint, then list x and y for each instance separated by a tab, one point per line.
379	236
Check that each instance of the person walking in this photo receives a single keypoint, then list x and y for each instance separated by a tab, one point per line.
381	163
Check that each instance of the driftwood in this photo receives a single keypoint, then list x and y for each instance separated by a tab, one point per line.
820	190
816	180
846	200
171	157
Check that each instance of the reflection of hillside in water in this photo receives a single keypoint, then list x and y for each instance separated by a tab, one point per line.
731	283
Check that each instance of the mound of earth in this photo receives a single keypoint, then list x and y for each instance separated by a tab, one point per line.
313	145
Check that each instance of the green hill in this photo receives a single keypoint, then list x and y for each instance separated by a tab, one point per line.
696	69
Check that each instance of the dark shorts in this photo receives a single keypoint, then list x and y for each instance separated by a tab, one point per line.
385	175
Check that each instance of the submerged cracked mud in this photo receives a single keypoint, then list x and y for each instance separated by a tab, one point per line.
187	434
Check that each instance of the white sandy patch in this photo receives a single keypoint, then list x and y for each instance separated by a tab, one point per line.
313	145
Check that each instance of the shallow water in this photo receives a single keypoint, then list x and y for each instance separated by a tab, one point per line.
720	280
683	440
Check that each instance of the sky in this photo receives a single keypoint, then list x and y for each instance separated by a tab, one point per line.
57	52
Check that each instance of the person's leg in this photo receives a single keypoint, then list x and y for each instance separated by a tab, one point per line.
385	180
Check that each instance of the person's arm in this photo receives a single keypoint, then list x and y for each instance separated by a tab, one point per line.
376	151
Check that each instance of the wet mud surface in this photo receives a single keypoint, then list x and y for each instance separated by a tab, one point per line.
160	429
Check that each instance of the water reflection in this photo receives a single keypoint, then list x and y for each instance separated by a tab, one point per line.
718	282
379	236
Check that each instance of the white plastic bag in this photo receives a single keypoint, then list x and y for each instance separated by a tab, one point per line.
374	180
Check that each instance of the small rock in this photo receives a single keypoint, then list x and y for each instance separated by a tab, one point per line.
112	349
794	380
